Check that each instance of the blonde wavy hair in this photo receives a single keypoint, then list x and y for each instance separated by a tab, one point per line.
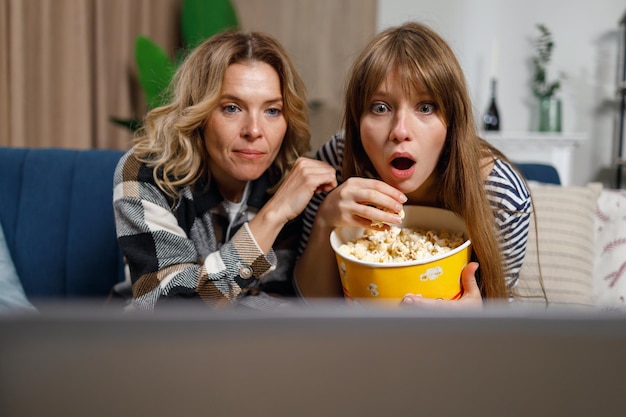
425	59
171	140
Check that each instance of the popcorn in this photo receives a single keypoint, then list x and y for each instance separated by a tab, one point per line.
400	244
378	223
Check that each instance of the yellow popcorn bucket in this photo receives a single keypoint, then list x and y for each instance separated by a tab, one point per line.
438	276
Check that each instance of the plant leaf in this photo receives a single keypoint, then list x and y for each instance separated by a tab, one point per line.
201	19
130	124
154	68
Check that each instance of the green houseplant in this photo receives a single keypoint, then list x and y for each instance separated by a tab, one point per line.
199	20
543	89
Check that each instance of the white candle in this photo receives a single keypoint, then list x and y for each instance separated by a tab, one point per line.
494	59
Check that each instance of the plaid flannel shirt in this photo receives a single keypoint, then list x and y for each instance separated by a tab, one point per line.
178	248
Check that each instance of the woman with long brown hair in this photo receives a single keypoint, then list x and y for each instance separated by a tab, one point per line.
410	138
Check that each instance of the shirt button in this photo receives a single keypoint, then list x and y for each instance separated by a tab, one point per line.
245	272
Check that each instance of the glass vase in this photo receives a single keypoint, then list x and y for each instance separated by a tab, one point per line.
549	114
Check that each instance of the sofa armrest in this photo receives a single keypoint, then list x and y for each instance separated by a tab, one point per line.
543	173
57	215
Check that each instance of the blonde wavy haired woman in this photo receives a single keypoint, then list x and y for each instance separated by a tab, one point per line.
208	201
410	138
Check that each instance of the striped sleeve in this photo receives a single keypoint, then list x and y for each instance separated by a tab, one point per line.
331	152
510	201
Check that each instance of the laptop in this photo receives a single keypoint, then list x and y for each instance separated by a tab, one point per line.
321	360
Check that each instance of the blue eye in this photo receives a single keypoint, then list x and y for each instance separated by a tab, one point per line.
427	108
379	108
274	111
230	108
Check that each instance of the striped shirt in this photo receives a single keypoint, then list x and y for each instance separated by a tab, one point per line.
506	191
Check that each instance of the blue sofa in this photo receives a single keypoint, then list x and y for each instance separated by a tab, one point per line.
56	212
539	172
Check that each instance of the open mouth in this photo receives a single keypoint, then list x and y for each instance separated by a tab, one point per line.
402	163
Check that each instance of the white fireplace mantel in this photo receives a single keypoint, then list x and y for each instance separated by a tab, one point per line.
556	149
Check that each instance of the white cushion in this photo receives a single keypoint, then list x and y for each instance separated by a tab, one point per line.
609	285
560	252
11	292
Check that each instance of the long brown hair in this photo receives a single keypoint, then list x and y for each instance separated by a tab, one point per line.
171	140
423	58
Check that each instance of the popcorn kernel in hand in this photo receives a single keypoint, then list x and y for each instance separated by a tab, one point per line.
378	223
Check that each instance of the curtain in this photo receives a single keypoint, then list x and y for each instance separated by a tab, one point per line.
67	66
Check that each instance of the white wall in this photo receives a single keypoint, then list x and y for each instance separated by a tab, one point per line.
586	36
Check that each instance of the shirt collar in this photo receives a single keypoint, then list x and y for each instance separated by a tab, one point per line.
206	198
